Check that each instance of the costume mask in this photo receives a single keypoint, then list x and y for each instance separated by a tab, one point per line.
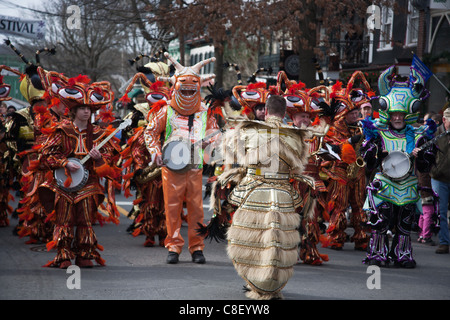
31	86
186	81
5	88
154	92
397	96
350	98
78	90
300	99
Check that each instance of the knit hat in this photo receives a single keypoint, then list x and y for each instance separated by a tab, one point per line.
447	113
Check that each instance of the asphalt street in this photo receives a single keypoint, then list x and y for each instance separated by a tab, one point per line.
135	272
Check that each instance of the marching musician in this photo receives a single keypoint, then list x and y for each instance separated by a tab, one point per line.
6	172
302	107
148	208
347	175
184	117
391	142
77	209
26	131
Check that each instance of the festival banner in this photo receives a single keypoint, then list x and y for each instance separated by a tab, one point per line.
13	26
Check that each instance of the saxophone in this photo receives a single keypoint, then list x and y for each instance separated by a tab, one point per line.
354	167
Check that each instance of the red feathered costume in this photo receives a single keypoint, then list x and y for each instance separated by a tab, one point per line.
347	183
300	100
148	207
75	212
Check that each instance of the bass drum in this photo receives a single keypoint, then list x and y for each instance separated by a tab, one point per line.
397	165
176	155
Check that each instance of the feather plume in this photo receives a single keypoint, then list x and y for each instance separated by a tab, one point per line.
335	89
125	99
156	85
80	78
297	87
348	153
256	85
369	129
156	107
107	116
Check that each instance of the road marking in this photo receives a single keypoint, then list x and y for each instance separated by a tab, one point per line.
119	208
124	203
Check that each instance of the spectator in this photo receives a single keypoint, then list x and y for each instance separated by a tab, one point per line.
437	118
440	175
366	110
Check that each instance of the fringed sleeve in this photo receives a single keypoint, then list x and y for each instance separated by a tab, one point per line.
156	125
55	151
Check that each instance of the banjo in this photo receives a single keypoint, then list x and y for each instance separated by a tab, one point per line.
398	164
81	175
178	153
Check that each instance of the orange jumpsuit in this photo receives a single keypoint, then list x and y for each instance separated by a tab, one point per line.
180	187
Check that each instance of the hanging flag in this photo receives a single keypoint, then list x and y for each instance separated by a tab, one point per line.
421	67
33	29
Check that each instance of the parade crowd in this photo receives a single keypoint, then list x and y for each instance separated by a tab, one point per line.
290	169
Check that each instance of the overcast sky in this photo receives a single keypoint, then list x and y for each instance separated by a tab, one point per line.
12	8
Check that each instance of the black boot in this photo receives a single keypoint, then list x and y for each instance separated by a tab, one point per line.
172	257
198	257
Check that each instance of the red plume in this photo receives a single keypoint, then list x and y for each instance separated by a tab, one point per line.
156	106
256	85
80	78
246	111
125	99
297	87
156	85
335	89
107	116
348	153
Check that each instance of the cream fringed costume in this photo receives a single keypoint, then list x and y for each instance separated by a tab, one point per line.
263	237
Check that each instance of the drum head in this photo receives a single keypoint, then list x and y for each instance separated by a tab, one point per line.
396	165
177	155
79	177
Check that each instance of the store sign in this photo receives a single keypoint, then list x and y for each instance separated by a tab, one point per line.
32	29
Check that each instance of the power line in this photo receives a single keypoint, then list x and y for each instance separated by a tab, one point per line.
113	12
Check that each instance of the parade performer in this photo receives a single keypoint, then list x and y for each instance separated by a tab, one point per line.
263	237
347	176
76	206
139	110
252	99
25	132
6	167
302	108
184	118
45	115
239	103
148	207
391	144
